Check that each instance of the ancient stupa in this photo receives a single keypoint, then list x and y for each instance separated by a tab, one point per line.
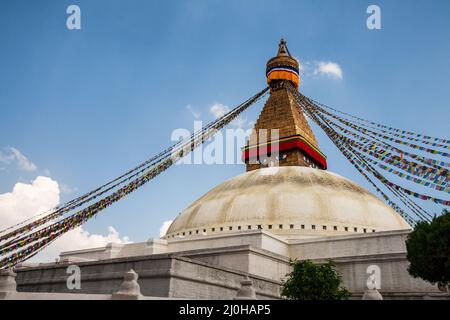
240	236
290	193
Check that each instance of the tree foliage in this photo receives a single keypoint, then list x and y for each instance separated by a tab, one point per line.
309	281
428	250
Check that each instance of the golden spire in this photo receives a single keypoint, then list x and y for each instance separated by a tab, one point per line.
282	49
282	123
283	67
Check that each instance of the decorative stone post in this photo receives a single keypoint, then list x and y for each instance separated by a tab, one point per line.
246	292
372	294
129	289
8	281
443	288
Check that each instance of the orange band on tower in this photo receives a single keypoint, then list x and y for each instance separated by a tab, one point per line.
283	75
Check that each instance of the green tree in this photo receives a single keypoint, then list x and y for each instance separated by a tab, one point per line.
309	281
428	250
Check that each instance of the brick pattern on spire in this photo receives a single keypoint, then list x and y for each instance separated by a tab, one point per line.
282	112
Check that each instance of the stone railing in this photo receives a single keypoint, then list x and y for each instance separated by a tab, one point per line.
129	290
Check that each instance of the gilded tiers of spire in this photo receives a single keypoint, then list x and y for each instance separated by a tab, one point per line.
283	67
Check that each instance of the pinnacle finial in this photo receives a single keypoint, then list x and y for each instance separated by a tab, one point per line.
282	49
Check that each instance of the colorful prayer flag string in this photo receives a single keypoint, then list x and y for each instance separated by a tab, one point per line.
383	126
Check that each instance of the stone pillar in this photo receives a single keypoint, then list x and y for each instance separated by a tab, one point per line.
129	289
8	281
246	292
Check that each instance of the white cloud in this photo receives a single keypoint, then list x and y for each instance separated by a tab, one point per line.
78	239
27	200
41	195
242	123
65	189
14	155
165	226
23	161
219	110
328	68
194	113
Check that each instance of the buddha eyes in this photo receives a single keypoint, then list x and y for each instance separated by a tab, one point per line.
267	160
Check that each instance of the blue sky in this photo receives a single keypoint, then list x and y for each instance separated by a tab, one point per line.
86	105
